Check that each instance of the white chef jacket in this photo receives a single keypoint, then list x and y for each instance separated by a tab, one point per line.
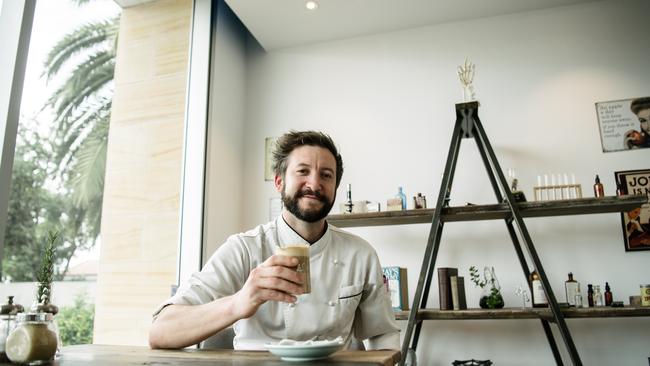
347	292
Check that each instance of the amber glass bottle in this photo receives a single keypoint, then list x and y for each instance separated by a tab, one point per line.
538	294
609	298
570	288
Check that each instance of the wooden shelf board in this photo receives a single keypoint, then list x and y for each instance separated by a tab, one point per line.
492	212
527	313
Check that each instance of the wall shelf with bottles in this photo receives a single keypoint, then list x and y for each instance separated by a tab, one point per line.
526	313
501	211
513	213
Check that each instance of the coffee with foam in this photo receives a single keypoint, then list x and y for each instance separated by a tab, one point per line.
301	252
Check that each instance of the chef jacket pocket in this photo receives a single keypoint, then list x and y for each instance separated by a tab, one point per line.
349	298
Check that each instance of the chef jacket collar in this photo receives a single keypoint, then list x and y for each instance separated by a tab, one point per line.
287	235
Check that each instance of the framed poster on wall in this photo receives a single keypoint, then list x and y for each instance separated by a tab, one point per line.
624	124
636	223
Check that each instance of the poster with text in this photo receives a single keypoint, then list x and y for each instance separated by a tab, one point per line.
636	223
624	124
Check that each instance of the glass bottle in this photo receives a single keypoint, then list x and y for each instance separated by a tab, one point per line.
538	294
590	295
578	298
401	195
419	201
599	191
348	202
570	286
609	298
7	323
598	296
32	341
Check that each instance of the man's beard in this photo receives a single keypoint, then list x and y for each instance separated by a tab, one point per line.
291	203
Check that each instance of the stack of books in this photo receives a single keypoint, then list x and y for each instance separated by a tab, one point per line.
451	289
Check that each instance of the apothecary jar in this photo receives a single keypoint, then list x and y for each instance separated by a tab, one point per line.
8	314
34	340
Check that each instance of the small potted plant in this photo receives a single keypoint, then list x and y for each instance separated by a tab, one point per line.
490	299
45	275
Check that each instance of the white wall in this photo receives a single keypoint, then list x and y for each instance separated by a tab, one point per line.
223	190
388	101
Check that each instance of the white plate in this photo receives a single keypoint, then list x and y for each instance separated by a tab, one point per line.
301	352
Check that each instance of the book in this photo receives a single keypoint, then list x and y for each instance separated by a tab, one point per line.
444	287
458	292
397	287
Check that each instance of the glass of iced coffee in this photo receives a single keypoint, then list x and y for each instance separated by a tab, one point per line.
300	251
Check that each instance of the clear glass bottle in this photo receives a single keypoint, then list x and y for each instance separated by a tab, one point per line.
578	298
401	195
34	340
7	323
598	296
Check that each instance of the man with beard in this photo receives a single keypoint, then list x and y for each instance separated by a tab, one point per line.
247	285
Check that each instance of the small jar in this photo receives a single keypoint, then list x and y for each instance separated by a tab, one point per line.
645	295
419	201
7	323
33	341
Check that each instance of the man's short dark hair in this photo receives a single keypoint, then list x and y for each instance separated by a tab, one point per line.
640	104
293	139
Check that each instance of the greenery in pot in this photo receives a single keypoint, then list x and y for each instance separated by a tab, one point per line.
45	276
492	300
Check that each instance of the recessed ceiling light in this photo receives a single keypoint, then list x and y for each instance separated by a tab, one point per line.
311	5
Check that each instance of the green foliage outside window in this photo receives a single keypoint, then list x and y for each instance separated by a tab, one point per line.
58	173
76	322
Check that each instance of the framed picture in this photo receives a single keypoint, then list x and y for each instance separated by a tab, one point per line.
636	223
624	124
269	145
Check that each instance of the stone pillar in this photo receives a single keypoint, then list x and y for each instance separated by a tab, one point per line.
140	217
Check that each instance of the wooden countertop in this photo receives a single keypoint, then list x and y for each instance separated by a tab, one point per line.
101	355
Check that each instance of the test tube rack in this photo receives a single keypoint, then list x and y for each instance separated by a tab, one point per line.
557	192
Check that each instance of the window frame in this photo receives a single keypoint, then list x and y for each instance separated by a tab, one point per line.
191	238
16	20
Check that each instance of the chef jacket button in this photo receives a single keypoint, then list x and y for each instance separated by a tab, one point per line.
331	303
336	261
292	305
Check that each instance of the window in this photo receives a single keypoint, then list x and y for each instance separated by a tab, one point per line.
59	159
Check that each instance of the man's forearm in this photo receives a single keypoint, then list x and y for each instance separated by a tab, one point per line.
179	326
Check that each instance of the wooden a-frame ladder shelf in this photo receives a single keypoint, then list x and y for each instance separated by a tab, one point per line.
468	125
